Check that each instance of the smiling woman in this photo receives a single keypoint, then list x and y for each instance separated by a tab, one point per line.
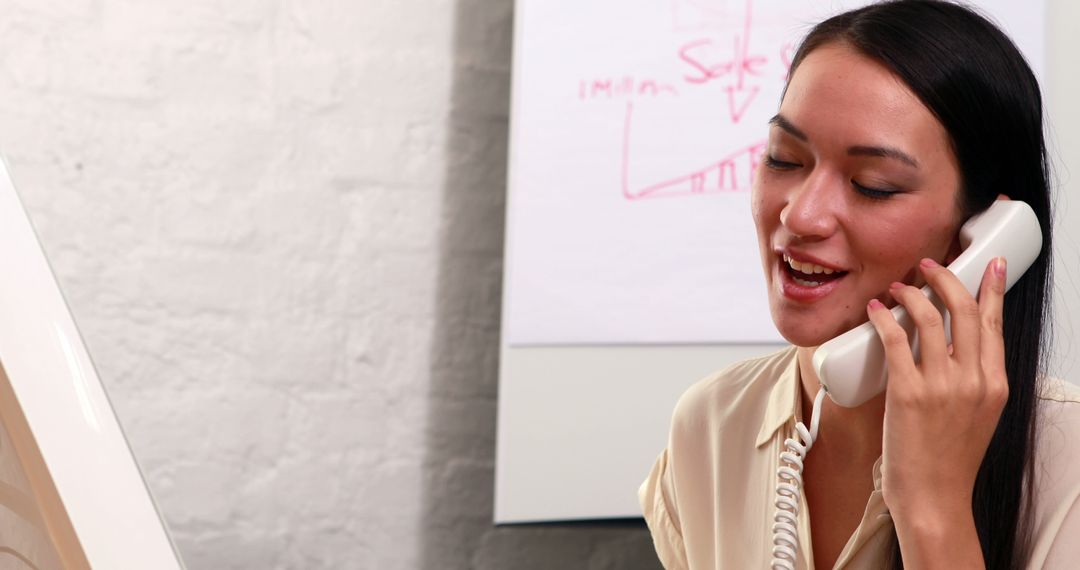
900	121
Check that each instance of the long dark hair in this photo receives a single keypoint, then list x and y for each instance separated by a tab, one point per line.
972	77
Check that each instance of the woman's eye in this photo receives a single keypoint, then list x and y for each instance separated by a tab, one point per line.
775	164
875	193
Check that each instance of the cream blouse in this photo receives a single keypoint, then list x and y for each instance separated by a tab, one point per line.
709	498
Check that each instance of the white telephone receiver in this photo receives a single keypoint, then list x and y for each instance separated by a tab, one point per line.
852	366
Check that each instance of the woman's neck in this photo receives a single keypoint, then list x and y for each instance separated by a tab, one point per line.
856	430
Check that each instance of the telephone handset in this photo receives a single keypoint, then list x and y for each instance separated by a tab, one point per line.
852	366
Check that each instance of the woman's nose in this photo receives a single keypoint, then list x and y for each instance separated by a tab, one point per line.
812	208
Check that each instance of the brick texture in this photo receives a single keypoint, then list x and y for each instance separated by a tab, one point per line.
279	225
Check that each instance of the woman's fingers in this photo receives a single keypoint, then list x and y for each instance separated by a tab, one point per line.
991	301
978	347
897	348
964	310
933	347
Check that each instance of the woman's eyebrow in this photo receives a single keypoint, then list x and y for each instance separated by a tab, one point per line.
782	122
860	150
884	152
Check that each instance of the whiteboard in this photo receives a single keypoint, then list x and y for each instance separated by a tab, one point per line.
631	264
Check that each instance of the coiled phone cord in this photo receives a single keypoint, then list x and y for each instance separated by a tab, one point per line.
789	474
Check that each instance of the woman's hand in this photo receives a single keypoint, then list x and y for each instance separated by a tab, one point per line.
940	413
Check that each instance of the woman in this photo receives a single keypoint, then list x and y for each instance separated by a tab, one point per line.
899	122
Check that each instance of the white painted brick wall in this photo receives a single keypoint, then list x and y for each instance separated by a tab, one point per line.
279	226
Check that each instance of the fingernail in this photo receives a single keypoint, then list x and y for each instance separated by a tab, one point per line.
999	266
874	305
928	263
896	285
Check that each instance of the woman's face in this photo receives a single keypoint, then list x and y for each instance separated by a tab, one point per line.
858	184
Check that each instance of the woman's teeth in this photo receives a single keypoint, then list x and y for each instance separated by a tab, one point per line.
808	268
811	274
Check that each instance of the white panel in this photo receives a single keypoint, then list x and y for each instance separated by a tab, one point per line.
84	477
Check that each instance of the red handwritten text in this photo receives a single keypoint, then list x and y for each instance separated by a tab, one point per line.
623	88
706	66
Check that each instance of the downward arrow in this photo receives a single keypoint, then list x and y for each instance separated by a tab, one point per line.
736	107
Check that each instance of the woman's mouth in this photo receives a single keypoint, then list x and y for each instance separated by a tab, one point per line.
807	281
810	274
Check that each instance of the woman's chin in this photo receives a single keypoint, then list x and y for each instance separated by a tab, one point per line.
802	339
812	334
